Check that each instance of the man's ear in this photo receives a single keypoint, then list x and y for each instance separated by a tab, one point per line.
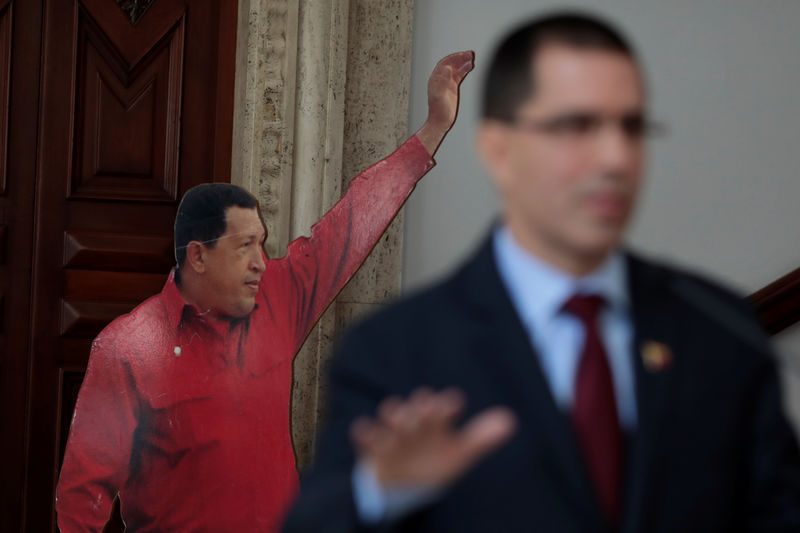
196	256
493	143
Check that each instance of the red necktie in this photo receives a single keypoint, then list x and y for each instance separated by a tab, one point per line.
594	412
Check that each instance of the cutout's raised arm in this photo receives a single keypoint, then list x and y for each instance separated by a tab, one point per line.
317	267
443	95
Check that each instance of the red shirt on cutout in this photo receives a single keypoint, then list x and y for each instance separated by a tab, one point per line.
187	417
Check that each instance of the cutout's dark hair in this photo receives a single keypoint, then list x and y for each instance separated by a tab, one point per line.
201	215
510	78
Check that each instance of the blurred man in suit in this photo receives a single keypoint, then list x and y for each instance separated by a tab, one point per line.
557	382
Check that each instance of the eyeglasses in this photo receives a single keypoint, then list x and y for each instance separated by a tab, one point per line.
634	126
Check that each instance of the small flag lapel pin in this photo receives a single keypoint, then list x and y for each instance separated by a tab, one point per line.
656	356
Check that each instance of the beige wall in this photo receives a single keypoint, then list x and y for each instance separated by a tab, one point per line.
321	93
723	185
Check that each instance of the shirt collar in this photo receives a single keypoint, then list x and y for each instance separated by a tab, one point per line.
173	301
180	312
538	290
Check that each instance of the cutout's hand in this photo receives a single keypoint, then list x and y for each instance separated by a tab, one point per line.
443	91
414	442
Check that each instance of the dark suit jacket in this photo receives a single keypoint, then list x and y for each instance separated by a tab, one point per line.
712	450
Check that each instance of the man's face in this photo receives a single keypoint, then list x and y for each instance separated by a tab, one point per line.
569	169
233	267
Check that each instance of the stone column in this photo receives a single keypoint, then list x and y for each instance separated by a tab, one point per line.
321	93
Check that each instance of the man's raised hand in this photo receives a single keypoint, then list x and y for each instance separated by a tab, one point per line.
414	443
443	86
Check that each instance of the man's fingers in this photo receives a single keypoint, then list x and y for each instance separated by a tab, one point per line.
424	413
424	410
441	81
371	437
363	433
450	403
416	440
388	407
486	431
439	410
424	402
465	63
421	395
454	67
459	60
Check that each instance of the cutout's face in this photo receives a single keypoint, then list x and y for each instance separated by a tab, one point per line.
233	267
569	168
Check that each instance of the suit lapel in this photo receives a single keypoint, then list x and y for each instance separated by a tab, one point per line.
655	347
506	355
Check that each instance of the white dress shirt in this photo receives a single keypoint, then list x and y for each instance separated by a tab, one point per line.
538	291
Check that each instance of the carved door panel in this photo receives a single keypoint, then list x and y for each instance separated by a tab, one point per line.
135	107
20	37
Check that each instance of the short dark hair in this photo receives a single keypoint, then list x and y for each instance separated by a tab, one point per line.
510	80
201	215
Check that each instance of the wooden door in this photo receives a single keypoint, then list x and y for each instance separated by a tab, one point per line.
135	107
20	45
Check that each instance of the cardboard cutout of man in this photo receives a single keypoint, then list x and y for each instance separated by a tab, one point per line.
556	382
184	409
